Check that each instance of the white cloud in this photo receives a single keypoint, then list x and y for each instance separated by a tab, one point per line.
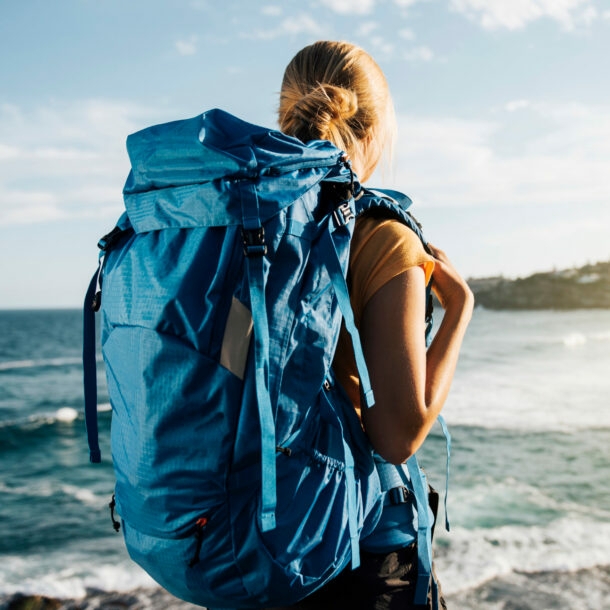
361	7
589	15
8	152
421	53
272	10
516	14
293	26
187	47
26	207
515	105
65	160
367	28
349	7
448	161
406	3
50	153
30	214
381	45
406	33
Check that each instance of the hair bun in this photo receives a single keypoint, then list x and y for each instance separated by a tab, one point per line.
333	90
325	108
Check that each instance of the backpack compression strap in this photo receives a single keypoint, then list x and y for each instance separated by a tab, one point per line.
254	250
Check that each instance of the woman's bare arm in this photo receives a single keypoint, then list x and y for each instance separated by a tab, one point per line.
411	383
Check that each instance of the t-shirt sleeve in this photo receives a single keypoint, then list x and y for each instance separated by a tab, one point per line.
382	250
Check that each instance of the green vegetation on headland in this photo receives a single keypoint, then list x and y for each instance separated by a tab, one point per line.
585	288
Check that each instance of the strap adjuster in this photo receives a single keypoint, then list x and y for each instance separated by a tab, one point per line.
399	495
254	241
343	214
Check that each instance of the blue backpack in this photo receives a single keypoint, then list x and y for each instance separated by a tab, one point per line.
243	476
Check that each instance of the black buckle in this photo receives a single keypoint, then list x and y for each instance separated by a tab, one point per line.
254	241
399	495
343	214
110	239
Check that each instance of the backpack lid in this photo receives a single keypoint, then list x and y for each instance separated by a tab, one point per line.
186	173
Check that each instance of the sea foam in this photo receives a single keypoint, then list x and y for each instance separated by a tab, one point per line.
85	572
468	558
29	364
66	415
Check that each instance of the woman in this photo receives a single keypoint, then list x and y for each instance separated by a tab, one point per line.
335	91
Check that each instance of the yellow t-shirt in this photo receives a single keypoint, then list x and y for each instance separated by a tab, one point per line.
380	251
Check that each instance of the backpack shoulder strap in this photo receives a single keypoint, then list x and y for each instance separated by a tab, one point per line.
386	203
90	366
90	307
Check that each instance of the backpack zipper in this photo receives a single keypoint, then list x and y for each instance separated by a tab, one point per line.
200	525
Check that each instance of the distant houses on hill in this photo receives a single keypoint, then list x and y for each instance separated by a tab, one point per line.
585	288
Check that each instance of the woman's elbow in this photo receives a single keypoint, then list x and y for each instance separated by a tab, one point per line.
396	438
398	451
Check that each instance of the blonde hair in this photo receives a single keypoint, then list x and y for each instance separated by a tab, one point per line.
336	91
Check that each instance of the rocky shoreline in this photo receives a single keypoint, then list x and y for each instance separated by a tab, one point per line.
139	599
588	587
587	287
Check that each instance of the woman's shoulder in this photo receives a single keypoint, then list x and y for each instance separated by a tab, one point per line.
387	241
381	250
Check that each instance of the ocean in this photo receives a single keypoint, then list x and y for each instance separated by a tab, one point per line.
529	493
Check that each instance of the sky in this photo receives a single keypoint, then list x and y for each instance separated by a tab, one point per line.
503	113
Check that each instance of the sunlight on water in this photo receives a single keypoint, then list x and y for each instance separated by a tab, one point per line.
66	415
523	370
574	339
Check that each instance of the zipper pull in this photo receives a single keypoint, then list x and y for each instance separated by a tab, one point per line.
115	524
200	525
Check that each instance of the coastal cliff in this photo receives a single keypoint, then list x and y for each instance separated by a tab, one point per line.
587	287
